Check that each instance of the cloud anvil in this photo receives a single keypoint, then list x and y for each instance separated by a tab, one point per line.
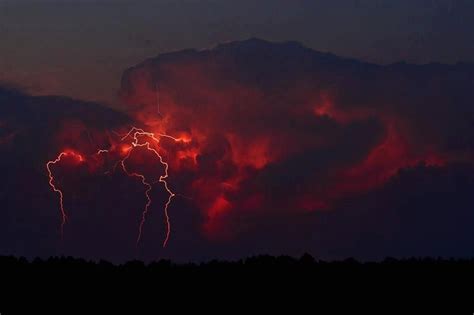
273	147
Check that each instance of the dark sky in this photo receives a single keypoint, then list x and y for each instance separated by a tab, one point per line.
79	48
271	146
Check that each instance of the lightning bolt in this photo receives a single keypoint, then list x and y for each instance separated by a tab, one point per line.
102	151
135	134
157	92
58	190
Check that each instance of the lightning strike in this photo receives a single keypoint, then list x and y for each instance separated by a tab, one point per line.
147	194
157	92
58	190
135	134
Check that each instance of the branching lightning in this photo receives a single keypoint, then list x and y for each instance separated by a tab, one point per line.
135	134
58	190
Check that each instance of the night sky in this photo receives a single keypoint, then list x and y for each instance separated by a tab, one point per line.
79	48
195	130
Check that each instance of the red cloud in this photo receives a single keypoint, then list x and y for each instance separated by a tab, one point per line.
275	127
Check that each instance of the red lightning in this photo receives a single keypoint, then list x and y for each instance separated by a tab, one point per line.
135	134
55	188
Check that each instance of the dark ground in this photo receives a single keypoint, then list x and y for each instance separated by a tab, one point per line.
272	281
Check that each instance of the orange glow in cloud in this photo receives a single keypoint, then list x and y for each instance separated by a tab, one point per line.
254	153
212	226
383	161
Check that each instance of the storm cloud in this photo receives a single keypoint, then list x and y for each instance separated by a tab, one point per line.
287	150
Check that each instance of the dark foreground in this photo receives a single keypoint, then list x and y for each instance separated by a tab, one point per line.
427	282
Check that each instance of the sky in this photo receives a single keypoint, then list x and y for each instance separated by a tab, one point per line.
196	130
80	48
